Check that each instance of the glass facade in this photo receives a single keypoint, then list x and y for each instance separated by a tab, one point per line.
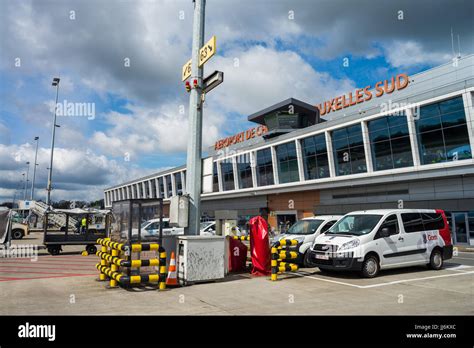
348	147
244	170
441	135
178	183
227	172
442	132
264	167
161	187
215	178
390	142
315	157
287	162
169	186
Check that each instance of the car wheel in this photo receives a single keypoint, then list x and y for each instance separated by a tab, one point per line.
370	267
17	234
436	260
307	263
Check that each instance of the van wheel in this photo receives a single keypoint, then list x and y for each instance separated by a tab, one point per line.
436	260
17	234
370	267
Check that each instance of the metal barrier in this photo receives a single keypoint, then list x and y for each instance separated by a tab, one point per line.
279	253
110	263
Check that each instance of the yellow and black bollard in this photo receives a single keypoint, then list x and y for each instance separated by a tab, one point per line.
114	268
280	253
162	270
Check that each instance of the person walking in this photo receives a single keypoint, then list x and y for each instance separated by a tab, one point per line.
84	224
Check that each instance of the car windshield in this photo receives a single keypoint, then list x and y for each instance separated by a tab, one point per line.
205	224
355	225
304	227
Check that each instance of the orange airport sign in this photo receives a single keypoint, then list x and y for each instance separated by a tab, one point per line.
241	137
396	83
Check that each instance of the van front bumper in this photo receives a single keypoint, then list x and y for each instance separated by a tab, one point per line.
335	262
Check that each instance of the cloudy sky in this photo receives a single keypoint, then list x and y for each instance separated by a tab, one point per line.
125	59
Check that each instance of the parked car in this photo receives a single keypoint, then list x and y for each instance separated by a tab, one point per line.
305	232
151	228
371	240
208	228
19	230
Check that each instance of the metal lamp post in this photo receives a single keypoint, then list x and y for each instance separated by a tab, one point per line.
26	182
34	170
55	83
193	161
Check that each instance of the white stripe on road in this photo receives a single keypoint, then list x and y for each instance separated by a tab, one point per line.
383	284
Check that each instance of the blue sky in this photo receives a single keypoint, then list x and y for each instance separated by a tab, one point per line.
140	120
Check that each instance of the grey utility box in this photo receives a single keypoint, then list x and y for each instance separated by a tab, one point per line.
200	258
179	206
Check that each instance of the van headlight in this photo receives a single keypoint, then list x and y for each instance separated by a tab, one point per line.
349	245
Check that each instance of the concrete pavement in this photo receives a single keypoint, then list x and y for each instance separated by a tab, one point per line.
414	290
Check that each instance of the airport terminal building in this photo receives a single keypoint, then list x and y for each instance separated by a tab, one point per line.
405	142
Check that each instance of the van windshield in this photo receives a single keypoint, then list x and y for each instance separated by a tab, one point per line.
305	227
355	225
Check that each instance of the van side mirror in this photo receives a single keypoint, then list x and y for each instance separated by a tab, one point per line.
385	232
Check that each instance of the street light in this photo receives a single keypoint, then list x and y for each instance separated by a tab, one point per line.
26	182
34	170
50	173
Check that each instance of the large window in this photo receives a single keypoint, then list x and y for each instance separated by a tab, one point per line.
178	183
147	189
264	167
348	147
442	132
390	142
161	187
244	170
215	178
169	186
227	172
315	157
287	162
153	188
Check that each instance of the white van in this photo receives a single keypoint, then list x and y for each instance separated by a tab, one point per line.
305	232
371	240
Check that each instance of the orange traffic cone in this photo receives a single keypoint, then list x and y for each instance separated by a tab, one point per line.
172	279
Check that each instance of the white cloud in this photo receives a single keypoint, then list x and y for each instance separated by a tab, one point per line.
77	173
402	54
265	76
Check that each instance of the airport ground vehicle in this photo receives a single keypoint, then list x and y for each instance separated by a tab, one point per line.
305	232
96	227
19	230
371	240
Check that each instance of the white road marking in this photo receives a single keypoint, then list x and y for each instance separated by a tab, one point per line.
382	284
463	258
